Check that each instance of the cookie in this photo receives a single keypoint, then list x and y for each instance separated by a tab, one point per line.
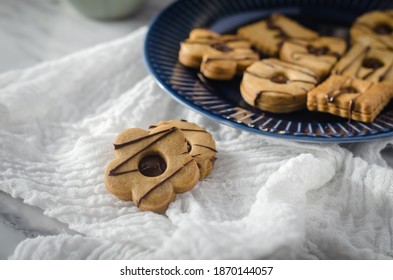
276	86
150	168
374	29
319	55
200	144
226	64
355	99
219	57
363	62
269	35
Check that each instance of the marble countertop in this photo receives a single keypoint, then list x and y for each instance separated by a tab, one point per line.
34	31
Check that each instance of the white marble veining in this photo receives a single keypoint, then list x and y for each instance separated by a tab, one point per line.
33	31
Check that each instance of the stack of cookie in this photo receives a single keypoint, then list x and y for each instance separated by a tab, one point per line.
308	70
150	167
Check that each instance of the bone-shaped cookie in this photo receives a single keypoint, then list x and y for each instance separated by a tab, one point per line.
356	99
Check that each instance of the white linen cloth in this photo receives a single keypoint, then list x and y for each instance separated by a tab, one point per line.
266	198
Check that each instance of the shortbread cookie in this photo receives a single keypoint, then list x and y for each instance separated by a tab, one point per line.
151	167
319	55
350	98
374	29
276	86
200	144
221	56
268	35
363	62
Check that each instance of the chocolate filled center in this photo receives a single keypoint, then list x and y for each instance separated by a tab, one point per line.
189	147
152	165
372	63
383	29
317	51
222	47
279	79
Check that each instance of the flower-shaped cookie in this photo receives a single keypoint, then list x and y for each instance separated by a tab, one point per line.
374	29
319	55
151	167
219	57
200	144
276	86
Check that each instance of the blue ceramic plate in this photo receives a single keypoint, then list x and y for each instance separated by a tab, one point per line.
222	101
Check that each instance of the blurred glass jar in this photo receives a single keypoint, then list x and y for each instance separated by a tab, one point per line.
108	9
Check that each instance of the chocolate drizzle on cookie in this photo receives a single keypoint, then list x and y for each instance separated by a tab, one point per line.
206	147
364	52
166	133
298	55
213	42
317	51
376	37
383	76
259	95
208	59
277	78
330	97
194	130
292	68
138	202
119	146
281	34
273	26
351	105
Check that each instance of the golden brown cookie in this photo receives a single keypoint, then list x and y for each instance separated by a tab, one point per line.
151	167
268	35
224	65
319	55
276	86
374	29
355	99
219	57
362	62
200	144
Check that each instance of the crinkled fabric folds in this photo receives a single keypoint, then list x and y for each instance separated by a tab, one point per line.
266	198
